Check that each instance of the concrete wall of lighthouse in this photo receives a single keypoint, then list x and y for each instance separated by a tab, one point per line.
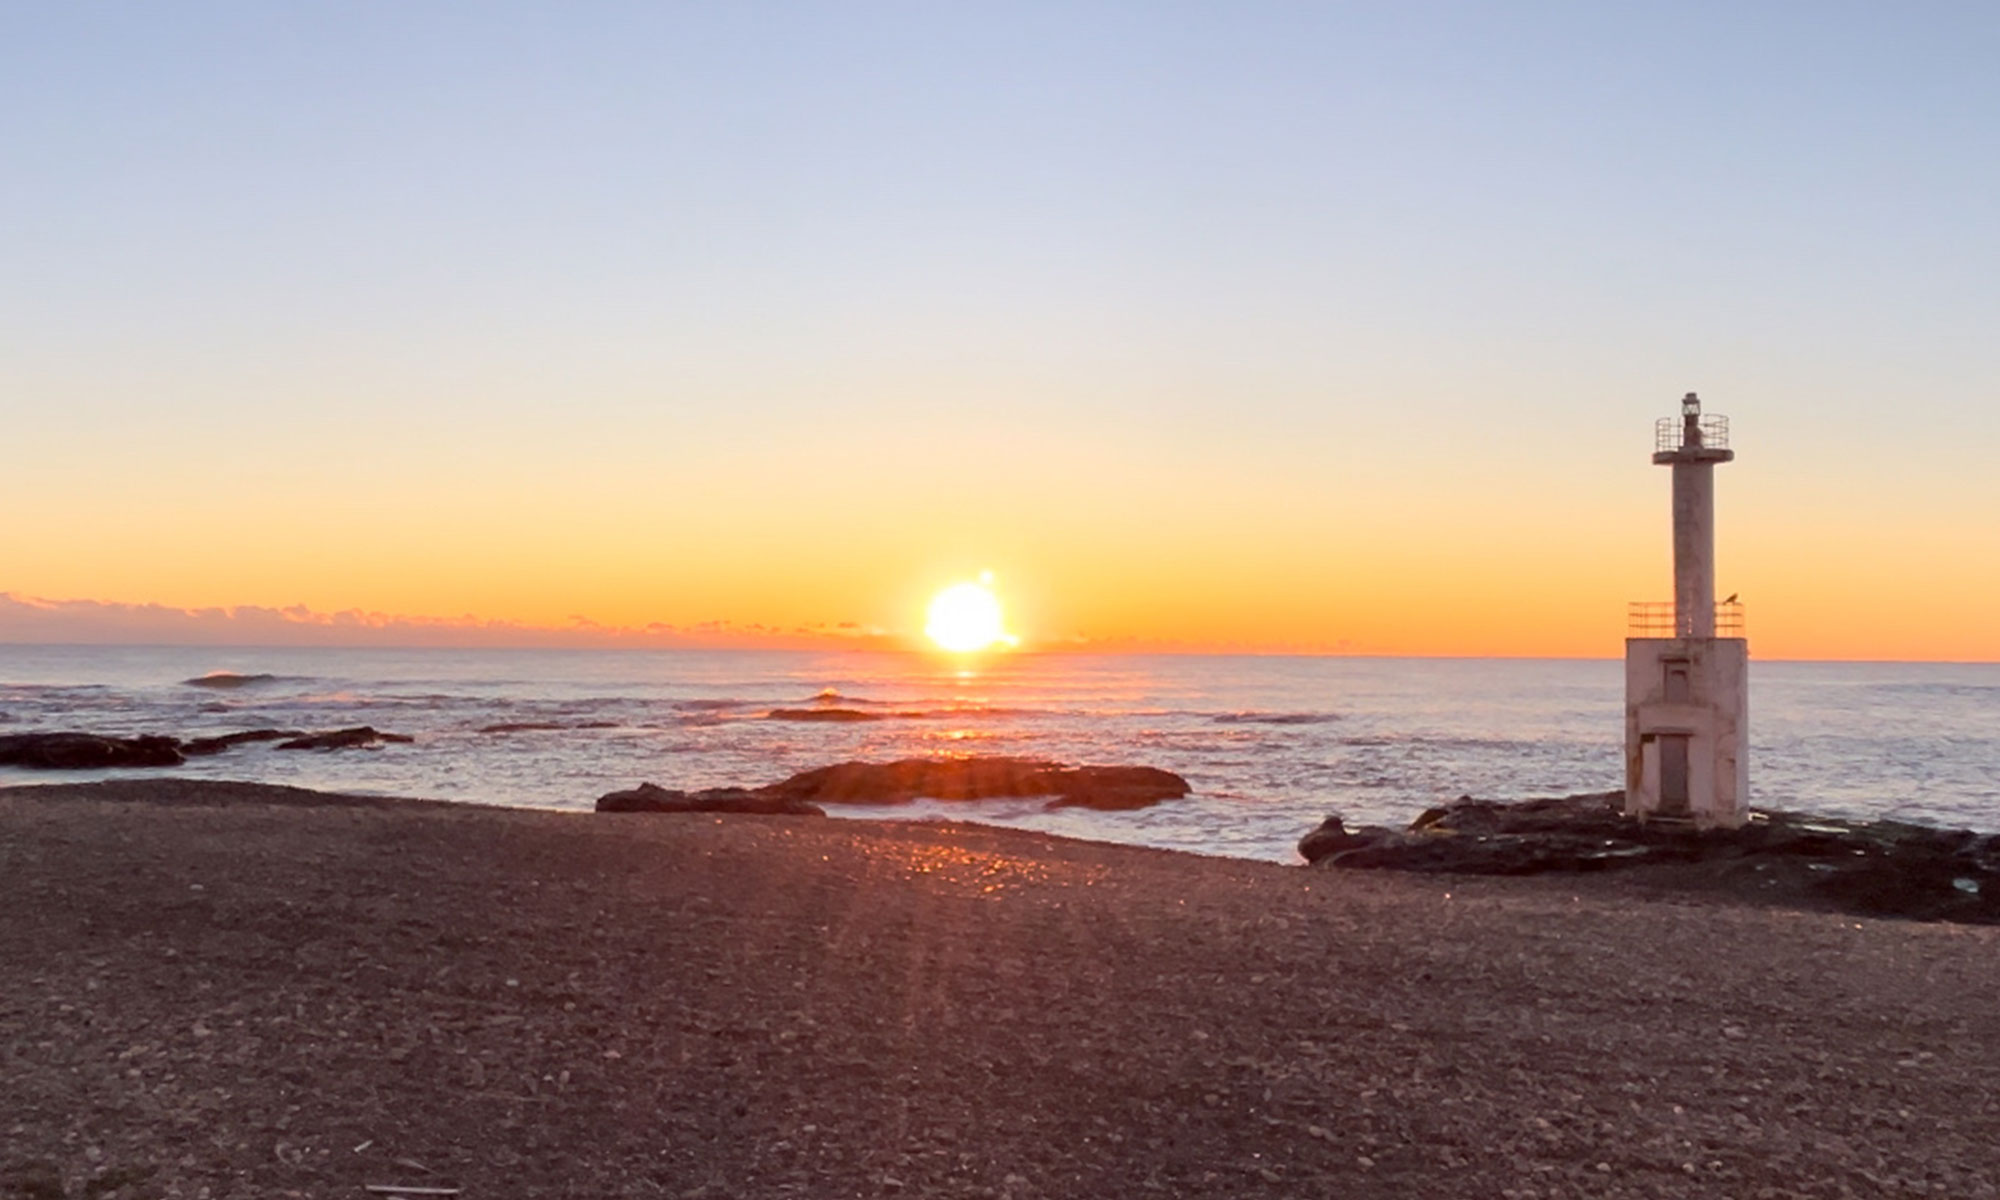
1713	716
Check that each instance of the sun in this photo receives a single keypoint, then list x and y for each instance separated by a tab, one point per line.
965	617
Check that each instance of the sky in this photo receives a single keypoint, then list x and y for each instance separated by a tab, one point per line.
1250	326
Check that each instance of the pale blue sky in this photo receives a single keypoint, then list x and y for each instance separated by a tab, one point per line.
1406	245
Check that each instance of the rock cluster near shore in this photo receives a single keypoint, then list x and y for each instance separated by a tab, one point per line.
67	751
82	751
1883	868
1107	788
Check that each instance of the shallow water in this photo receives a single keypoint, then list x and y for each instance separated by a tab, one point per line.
1271	744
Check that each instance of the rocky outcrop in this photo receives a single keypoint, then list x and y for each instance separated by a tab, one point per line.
342	739
983	779
90	751
649	798
1333	836
1108	788
215	745
87	751
1883	868
1112	789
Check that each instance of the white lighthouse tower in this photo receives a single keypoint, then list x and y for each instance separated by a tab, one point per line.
1687	665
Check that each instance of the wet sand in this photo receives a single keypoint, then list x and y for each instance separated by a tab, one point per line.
235	991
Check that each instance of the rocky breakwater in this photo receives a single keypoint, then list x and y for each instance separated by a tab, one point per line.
1879	868
361	736
87	751
65	751
910	779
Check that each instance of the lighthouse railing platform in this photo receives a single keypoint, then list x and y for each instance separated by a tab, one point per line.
1670	433
1658	619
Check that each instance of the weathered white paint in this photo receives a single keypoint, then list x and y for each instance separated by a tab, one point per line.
1713	716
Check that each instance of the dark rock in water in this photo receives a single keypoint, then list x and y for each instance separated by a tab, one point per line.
1882	868
982	779
821	714
1109	788
341	739
87	751
1113	789
649	798
228	679
216	745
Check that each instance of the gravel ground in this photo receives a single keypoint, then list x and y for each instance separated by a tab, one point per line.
237	991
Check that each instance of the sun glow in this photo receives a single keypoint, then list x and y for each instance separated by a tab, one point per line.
965	617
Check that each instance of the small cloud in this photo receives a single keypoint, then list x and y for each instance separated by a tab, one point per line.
34	619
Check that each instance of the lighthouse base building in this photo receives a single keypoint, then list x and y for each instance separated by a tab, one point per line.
1687	665
1686	734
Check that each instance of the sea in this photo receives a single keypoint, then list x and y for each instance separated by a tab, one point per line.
1271	744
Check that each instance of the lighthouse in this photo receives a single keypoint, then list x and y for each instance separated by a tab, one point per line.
1687	677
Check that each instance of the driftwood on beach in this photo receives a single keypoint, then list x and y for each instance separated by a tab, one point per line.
901	782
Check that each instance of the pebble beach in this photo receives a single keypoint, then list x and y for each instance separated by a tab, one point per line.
234	990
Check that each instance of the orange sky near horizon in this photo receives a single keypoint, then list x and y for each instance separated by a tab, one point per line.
1258	327
1091	549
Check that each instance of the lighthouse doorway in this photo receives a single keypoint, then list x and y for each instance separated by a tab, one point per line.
1673	774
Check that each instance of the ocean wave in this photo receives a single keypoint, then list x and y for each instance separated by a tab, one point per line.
829	715
833	696
1275	718
1425	742
545	726
957	712
230	679
419	699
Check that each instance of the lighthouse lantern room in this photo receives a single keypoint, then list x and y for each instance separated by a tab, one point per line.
1687	679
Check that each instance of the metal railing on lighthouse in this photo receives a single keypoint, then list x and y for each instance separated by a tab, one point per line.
1658	619
1670	434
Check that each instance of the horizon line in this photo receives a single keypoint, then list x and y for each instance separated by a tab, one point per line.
1057	650
37	621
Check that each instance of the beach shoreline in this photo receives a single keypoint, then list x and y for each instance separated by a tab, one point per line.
265	991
